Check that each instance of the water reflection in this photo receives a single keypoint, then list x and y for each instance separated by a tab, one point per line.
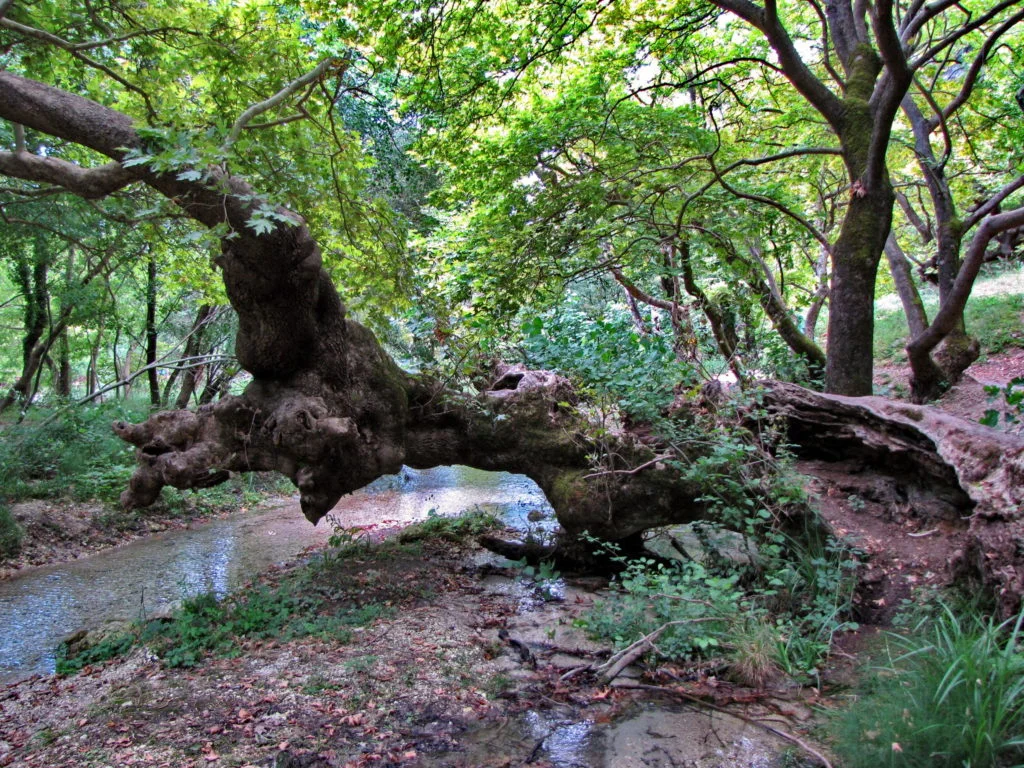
44	605
566	743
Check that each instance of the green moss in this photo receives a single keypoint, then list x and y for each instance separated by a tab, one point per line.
568	488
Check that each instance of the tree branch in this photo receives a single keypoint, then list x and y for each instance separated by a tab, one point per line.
802	221
180	364
978	64
952	308
889	45
638	294
959	32
922	227
90	183
75	51
799	74
919	15
310	77
993	202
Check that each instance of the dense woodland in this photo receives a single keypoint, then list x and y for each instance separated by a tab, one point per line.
329	239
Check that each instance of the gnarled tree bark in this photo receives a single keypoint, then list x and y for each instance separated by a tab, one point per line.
328	408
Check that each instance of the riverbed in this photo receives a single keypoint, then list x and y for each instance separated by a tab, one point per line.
41	606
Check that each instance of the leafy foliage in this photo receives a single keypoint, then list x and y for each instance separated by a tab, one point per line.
603	349
780	619
73	453
1012	395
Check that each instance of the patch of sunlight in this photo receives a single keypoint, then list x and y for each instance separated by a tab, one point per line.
1008	281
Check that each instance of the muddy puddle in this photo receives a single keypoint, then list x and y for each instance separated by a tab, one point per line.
42	606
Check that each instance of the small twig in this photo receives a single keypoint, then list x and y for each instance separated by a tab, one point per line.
575	671
632	471
694	601
922	534
739	716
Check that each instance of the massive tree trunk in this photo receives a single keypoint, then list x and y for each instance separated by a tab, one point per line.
327	407
851	320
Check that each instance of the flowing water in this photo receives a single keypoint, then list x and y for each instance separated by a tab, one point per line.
44	605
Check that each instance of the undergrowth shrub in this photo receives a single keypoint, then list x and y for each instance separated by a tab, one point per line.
207	625
641	373
948	693
10	534
771	588
456	529
71	453
781	620
74	454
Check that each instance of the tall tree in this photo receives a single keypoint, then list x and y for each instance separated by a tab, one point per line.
840	70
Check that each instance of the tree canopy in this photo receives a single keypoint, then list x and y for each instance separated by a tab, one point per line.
704	179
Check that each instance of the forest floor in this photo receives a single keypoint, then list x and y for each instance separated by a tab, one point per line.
466	667
467	664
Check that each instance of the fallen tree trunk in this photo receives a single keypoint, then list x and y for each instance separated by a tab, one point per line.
974	472
327	406
527	423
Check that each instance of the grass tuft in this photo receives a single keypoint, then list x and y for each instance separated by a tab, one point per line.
10	534
994	319
950	693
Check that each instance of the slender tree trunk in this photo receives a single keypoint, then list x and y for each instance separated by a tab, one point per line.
31	275
92	374
722	328
151	331
685	338
634	313
910	298
810	325
218	384
919	350
62	383
774	306
190	376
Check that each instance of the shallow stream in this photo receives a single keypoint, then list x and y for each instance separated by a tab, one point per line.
44	605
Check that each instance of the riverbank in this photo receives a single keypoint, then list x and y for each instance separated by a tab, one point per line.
463	663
